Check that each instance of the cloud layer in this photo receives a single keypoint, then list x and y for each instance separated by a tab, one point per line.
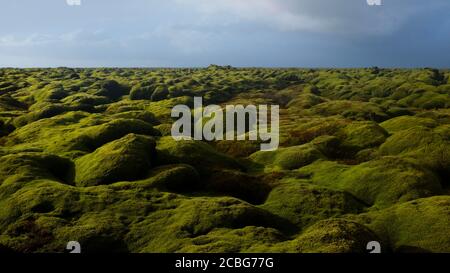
236	32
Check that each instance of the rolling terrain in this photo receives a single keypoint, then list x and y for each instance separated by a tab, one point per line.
86	155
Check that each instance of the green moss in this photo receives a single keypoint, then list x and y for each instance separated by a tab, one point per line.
354	110
160	93
24	167
426	147
247	239
305	101
253	189
417	226
128	158
180	178
304	204
85	100
362	135
196	153
137	115
44	111
140	92
406	122
381	182
172	230
330	236
111	89
288	158
190	196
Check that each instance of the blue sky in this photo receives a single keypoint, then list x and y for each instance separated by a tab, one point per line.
186	33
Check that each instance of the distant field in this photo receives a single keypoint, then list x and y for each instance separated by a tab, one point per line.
86	155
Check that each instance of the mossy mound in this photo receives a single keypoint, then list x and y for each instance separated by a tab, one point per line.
139	115
128	158
75	133
253	189
421	225
327	236
112	90
381	182
425	146
330	146
45	111
223	240
116	129
305	101
397	124
355	110
196	153
362	135
180	178
25	167
304	204
172	230
288	158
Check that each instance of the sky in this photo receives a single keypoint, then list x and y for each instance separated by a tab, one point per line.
242	33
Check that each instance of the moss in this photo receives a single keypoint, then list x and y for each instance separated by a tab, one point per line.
128	158
111	89
172	230
46	111
253	189
420	225
330	236
288	158
50	92
312	195
304	204
179	178
305	101
116	129
222	240
137	115
406	122
140	92
85	100
160	93
426	147
196	153
23	167
354	110
381	182
362	135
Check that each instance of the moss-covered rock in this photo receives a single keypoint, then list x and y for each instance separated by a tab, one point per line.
115	129
381	182
253	189
173	230
305	101
196	153
112	90
362	135
128	158
421	225
288	158
355	110
179	178
25	167
406	122
425	146
304	204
